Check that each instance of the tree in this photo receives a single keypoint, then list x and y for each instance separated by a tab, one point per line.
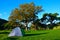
37	24
49	17
58	19
26	13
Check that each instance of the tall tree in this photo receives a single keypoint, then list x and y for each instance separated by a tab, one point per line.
25	13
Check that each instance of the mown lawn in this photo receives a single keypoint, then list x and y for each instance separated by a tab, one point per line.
33	35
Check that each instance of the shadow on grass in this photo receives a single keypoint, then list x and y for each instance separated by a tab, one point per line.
16	38
11	38
56	39
35	34
4	32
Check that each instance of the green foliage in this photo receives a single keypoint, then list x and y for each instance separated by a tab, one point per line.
50	17
25	13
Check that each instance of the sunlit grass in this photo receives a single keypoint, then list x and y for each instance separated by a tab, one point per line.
58	27
33	35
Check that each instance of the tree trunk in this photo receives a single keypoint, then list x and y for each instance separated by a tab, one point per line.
26	26
36	27
51	25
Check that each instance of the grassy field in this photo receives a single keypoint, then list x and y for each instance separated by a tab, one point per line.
33	35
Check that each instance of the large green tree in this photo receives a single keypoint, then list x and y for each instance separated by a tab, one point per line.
50	17
25	13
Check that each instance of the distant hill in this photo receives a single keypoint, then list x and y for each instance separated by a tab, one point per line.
2	21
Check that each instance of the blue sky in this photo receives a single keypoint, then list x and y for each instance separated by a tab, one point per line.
49	6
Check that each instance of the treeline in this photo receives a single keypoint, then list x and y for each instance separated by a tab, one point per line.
27	13
48	21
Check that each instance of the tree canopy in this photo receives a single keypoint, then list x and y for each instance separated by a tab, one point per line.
25	13
50	19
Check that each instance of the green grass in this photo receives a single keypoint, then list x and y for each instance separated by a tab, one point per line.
33	35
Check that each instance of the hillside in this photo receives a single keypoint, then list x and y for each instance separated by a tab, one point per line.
2	21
